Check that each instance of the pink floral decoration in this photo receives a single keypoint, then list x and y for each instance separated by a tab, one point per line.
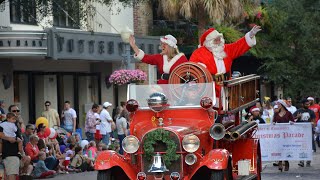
124	76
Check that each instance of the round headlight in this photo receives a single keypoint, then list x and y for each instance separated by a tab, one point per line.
132	105
190	143
130	144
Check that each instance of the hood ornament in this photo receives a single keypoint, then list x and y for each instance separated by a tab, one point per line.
157	102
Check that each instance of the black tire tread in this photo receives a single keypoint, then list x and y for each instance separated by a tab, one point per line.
217	175
104	175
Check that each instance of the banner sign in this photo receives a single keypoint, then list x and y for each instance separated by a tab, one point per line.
285	142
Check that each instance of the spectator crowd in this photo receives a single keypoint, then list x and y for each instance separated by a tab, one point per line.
52	145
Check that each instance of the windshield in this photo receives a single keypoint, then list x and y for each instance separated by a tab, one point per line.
178	95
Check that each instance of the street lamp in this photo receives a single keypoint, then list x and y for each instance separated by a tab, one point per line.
125	34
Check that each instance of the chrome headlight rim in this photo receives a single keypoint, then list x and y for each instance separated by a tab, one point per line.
186	141
134	143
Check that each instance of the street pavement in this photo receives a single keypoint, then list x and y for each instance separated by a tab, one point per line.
270	172
295	172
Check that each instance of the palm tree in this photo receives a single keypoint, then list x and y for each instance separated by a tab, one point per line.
204	11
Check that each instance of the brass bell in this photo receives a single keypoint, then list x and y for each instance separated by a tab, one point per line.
158	165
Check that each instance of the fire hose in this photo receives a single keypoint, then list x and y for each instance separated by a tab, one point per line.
186	73
190	71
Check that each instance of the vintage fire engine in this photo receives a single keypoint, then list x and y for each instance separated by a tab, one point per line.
175	132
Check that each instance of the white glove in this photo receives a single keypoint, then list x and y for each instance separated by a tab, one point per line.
254	31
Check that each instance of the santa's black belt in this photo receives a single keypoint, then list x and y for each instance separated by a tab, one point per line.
219	78
164	76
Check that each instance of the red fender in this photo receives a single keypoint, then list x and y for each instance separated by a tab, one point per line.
108	159
216	159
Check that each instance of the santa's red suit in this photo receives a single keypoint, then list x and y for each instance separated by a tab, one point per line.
162	63
214	65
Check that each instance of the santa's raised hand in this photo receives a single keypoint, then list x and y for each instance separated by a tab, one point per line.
132	40
132	43
254	31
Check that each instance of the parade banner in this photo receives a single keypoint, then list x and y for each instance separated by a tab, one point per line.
285	141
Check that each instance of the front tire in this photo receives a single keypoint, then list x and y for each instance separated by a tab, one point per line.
217	175
104	175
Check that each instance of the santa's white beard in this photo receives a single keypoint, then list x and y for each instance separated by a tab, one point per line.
216	49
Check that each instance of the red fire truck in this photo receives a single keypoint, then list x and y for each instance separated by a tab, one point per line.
181	130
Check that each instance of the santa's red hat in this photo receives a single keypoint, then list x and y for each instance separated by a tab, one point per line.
254	108
210	34
310	99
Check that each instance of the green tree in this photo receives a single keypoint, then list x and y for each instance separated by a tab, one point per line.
205	12
290	47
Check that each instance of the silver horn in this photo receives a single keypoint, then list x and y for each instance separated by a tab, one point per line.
158	165
217	131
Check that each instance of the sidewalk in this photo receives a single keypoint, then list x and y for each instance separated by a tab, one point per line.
295	172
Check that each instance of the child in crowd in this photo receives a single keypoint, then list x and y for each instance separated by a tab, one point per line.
84	144
92	150
40	169
71	141
97	135
42	145
51	152
77	138
54	151
101	147
81	163
66	162
10	129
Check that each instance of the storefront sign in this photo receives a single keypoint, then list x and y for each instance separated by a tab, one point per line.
285	141
23	43
74	44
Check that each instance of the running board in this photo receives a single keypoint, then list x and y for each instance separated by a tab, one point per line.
249	177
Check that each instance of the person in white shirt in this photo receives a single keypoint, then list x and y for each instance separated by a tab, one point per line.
290	107
121	123
105	125
69	116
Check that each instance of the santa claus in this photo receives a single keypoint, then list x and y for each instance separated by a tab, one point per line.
216	56
166	61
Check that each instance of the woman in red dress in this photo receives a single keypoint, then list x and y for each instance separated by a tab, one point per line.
166	61
283	116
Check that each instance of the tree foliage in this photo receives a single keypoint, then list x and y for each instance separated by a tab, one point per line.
290	46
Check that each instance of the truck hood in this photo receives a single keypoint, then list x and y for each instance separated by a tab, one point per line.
180	122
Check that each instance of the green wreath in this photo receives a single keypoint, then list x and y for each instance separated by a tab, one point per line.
164	136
